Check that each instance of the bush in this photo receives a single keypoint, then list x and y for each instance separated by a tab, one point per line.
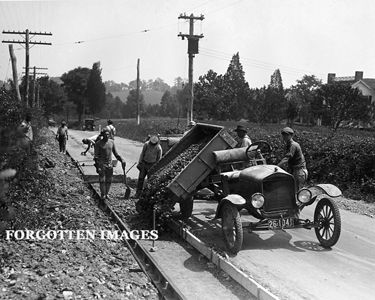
12	152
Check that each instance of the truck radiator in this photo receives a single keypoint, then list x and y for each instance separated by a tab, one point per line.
279	195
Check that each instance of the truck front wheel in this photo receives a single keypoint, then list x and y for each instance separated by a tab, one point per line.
232	228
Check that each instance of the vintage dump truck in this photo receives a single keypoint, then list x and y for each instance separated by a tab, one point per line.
185	184
240	178
269	194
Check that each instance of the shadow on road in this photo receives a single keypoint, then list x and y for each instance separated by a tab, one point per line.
311	246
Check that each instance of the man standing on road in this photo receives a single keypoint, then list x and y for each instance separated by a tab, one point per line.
151	153
112	129
294	158
244	138
62	136
26	133
103	162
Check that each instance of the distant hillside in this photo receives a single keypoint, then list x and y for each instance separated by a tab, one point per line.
151	97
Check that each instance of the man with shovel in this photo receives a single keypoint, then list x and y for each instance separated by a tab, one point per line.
103	162
151	153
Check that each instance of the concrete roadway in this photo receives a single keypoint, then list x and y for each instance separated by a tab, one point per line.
290	263
128	149
293	265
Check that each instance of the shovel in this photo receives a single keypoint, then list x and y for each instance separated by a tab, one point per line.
128	189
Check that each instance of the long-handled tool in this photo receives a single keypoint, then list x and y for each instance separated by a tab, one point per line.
128	189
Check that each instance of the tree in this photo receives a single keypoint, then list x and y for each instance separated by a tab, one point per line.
168	105
276	81
95	89
158	85
208	94
236	90
340	102
292	108
131	104
258	105
51	95
152	110
302	95
275	100
75	85
142	85
114	108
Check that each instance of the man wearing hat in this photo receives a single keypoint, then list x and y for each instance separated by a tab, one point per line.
103	162
244	138
293	158
151	153
62	136
189	127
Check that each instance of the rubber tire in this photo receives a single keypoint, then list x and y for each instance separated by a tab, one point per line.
186	208
231	223
325	208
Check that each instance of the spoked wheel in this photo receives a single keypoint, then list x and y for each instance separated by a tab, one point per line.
327	217
232	228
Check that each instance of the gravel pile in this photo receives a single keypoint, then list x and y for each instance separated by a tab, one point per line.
53	197
156	195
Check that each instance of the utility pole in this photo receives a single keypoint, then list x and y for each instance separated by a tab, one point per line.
14	69
192	50
27	43
138	102
37	96
33	100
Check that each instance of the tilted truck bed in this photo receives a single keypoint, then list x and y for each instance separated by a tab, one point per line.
213	138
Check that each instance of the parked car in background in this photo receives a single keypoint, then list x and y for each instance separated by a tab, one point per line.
89	124
51	122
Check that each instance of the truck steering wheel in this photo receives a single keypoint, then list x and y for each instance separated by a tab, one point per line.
260	147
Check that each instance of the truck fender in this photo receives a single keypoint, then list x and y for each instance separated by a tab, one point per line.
234	199
324	189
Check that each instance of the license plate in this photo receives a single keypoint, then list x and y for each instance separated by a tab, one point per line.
281	223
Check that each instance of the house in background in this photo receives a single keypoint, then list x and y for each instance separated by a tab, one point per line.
365	85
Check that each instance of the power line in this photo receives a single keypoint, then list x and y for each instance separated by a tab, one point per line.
255	62
27	43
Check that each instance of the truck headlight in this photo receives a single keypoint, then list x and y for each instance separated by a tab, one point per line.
304	196
257	200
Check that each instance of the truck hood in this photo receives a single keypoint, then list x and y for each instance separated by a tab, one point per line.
260	172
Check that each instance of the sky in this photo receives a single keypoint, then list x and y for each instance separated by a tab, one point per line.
296	36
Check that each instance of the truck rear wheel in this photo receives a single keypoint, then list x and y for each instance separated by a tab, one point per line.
232	228
186	207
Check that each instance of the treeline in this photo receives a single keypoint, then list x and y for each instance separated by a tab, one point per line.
229	97
216	97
